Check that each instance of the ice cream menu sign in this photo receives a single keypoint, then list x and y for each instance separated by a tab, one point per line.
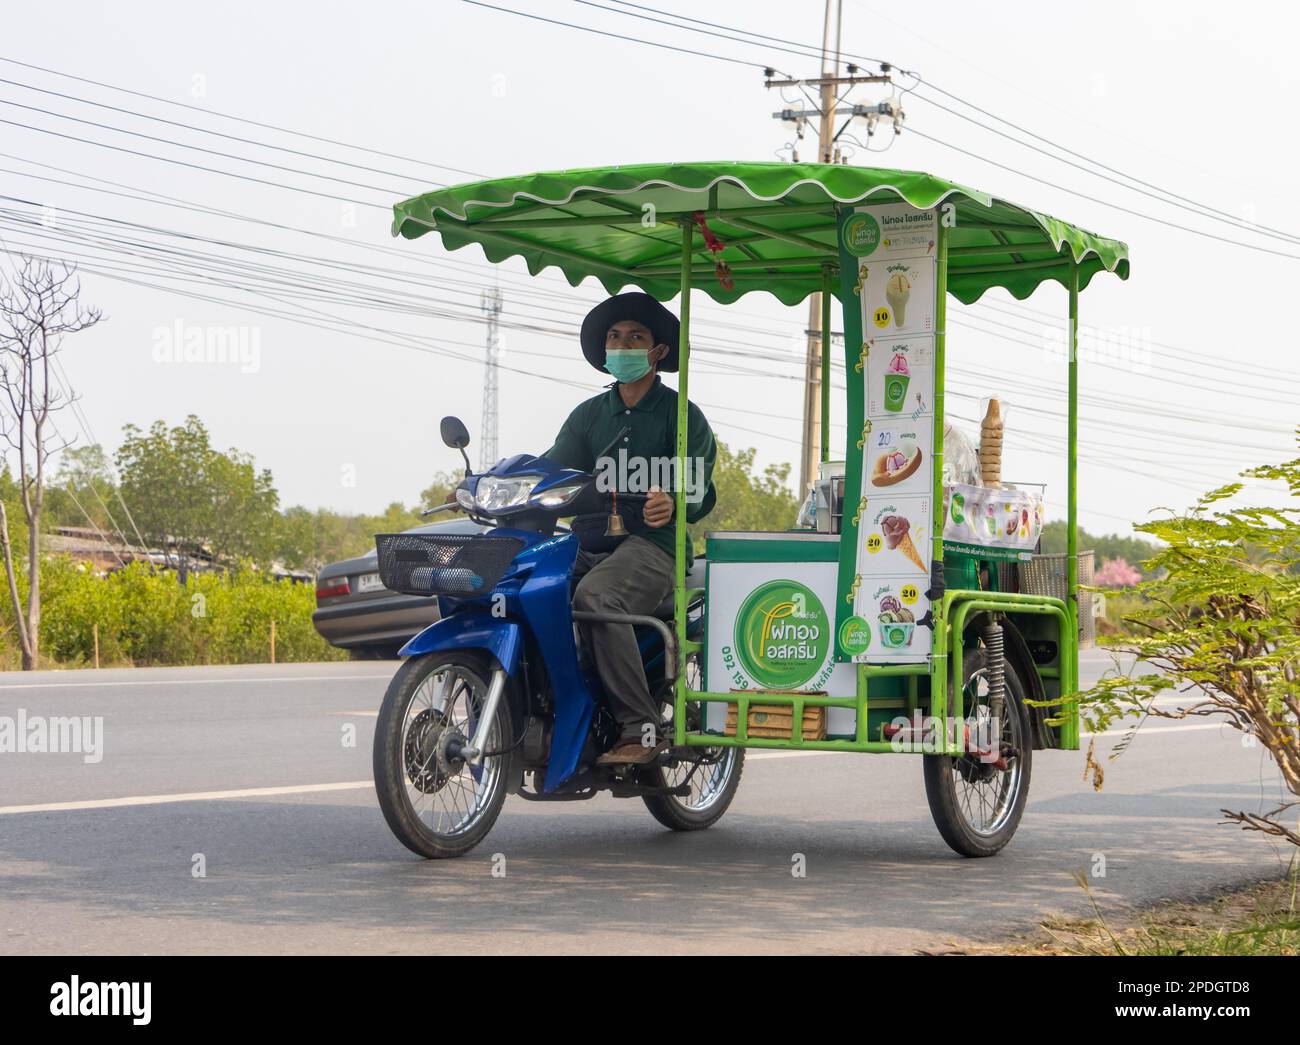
889	251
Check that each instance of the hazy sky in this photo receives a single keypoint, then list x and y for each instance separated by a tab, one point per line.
1175	94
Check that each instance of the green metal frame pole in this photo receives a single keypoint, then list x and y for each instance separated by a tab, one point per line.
679	508
939	652
828	292
1072	493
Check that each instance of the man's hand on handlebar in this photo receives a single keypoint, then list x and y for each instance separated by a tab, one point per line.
658	508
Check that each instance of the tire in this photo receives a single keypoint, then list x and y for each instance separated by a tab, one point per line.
438	808
713	784
953	784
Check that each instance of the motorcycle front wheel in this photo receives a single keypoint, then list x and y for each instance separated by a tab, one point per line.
437	805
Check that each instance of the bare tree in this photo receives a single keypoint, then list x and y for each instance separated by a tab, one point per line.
38	308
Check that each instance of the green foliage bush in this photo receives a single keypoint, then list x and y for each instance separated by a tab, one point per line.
149	618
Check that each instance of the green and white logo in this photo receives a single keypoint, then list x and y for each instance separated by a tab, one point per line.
958	507
855	635
861	234
782	635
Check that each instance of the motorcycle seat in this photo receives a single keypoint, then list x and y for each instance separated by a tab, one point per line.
694	579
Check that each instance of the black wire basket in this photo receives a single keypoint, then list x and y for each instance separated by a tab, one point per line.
459	564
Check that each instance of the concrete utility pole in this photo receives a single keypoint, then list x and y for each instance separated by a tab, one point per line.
827	152
490	303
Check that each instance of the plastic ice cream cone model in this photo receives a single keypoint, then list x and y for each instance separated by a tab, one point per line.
896	292
897	533
991	445
897	376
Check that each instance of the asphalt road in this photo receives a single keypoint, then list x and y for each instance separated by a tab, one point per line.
249	767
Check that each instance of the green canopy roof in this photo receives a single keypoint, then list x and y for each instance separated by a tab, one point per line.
777	221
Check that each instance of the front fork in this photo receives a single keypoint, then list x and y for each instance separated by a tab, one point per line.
473	752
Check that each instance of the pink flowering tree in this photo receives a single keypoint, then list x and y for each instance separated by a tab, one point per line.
1116	573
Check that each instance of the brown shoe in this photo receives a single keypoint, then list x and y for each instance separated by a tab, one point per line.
631	752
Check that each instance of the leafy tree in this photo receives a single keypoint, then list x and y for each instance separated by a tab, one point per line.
1222	625
1111	546
308	539
746	500
82	491
185	493
438	491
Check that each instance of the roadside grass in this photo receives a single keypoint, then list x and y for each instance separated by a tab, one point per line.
1255	920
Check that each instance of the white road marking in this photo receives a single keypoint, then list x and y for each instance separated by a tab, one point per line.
254	792
196	682
189	796
1145	732
357	785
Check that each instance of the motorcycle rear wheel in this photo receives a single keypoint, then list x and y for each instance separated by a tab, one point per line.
712	783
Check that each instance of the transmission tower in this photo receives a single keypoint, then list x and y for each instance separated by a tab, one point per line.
490	303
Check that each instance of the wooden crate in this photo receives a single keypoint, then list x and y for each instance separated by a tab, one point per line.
776	721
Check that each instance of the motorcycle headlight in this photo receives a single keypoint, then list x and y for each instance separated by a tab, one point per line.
465	499
495	494
558	496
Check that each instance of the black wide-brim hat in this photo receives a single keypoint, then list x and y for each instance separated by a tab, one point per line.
662	324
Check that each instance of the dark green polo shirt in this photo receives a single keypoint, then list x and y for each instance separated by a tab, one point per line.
653	438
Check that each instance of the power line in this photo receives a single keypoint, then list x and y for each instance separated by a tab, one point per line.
202	149
208	130
292	281
1215	215
192	166
616	36
1106	203
239	119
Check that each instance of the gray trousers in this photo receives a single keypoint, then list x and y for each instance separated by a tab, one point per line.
634	578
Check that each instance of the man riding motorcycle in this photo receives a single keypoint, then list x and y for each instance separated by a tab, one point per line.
633	338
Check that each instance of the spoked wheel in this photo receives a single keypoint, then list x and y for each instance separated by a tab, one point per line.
436	804
977	801
711	775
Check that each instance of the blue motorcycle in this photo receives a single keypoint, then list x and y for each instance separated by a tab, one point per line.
497	697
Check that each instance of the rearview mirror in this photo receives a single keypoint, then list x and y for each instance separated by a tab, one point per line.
454	433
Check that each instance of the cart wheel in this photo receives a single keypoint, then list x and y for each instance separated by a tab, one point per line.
975	804
712	775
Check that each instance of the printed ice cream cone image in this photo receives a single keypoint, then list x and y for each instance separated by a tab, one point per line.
893	466
896	293
897	532
897	376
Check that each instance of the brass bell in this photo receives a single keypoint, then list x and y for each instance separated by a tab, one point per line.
614	526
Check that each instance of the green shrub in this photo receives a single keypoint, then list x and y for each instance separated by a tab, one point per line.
149	618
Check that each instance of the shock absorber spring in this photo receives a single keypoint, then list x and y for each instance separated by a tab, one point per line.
995	671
